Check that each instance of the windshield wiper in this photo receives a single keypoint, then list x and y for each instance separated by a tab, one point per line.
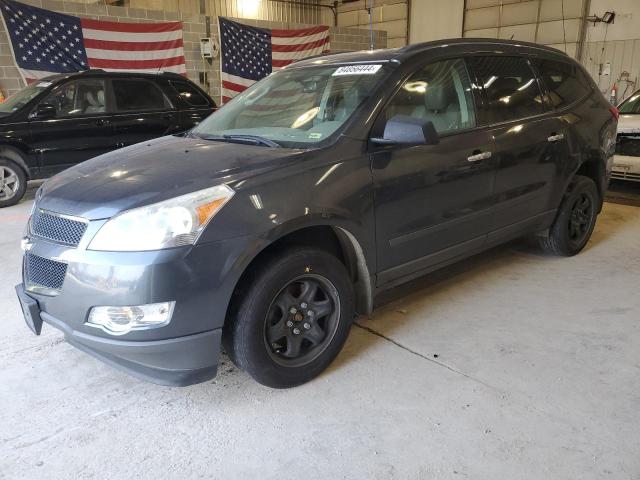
255	139
237	138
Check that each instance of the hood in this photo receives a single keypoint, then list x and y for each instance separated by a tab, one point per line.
153	171
629	123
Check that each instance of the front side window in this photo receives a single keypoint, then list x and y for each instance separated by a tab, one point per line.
511	89
295	107
78	98
440	93
137	96
566	83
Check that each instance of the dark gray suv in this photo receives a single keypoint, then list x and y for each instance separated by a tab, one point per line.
281	216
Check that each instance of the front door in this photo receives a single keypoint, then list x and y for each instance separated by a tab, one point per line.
142	111
433	203
80	129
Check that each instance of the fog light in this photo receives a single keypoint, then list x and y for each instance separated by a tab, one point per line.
121	320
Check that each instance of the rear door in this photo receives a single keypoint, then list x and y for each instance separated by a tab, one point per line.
141	111
433	203
529	143
80	130
194	105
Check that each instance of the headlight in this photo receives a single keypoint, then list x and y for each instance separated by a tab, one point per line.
171	223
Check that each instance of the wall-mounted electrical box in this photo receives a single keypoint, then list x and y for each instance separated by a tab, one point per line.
209	47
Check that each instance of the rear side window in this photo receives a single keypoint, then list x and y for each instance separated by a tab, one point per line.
138	95
439	92
511	88
189	94
566	83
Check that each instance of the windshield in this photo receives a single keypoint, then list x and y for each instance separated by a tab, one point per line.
631	104
20	99
295	107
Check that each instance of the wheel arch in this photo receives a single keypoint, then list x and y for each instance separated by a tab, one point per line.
594	169
14	154
334	239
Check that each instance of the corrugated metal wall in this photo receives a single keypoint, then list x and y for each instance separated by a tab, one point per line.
624	69
306	12
550	22
388	15
299	11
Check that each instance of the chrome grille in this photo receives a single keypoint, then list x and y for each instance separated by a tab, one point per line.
44	273
624	175
57	228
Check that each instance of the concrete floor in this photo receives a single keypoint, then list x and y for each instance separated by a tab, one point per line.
511	365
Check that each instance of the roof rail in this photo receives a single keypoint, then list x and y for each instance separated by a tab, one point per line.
91	70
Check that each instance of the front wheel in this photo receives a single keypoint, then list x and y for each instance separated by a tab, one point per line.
576	219
13	183
291	319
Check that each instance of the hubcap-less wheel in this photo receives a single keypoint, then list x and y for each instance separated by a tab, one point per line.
580	218
302	320
9	183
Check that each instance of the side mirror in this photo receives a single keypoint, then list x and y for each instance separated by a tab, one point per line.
406	130
44	111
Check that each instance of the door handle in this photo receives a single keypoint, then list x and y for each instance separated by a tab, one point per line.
476	157
101	122
555	137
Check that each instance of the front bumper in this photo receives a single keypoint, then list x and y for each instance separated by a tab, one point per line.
174	362
626	167
200	279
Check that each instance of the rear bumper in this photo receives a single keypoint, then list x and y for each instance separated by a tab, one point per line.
626	167
173	362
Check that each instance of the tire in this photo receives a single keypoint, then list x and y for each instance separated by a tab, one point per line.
576	219
11	192
260	333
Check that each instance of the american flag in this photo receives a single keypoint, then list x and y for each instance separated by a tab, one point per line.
46	43
249	54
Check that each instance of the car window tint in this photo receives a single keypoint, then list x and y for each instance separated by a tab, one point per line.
78	98
439	92
565	82
137	95
189	94
511	88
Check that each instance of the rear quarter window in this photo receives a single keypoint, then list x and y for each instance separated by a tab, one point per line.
565	82
190	94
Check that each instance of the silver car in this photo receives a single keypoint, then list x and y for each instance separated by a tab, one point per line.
626	161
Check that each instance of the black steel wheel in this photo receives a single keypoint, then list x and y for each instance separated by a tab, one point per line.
290	317
581	217
575	220
302	320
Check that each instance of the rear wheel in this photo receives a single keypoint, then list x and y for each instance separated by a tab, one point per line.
13	183
292	319
576	219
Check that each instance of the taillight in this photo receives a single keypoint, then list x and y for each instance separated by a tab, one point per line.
614	112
